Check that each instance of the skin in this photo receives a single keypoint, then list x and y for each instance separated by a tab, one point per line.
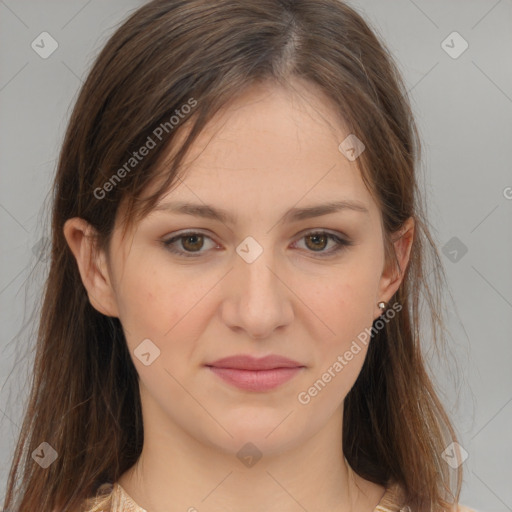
271	150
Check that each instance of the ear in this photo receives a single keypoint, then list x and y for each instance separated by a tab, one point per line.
394	271
92	265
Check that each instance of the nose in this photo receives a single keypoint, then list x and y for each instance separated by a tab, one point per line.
257	299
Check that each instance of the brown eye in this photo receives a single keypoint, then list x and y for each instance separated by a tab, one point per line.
319	241
191	242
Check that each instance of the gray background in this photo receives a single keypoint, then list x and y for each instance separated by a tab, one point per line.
464	111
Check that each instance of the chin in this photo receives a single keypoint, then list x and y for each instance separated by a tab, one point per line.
267	434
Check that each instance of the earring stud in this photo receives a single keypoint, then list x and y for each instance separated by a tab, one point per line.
382	305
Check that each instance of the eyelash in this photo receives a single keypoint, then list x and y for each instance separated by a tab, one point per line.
341	243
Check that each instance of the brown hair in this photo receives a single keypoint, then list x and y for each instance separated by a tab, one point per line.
85	403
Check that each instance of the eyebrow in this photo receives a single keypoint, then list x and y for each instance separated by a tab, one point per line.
292	215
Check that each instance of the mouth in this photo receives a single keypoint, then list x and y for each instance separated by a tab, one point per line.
252	374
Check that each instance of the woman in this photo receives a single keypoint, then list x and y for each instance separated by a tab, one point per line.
239	248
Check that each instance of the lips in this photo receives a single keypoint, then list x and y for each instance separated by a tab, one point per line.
253	374
246	362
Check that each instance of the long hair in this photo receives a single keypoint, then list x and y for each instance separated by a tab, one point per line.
174	64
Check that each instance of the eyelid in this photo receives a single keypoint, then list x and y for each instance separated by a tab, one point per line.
341	239
182	234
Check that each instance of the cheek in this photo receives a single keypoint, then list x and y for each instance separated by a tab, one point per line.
344	302
147	305
165	307
340	345
345	305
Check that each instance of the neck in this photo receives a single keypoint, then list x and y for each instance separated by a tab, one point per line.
176	469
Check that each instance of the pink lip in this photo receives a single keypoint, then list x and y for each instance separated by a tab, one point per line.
249	373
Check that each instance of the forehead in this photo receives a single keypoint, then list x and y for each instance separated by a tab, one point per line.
269	142
269	150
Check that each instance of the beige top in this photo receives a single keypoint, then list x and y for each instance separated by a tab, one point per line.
115	499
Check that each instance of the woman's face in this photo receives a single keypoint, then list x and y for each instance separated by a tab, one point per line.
259	282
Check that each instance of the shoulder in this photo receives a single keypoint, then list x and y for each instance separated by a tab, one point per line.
463	508
393	500
101	502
